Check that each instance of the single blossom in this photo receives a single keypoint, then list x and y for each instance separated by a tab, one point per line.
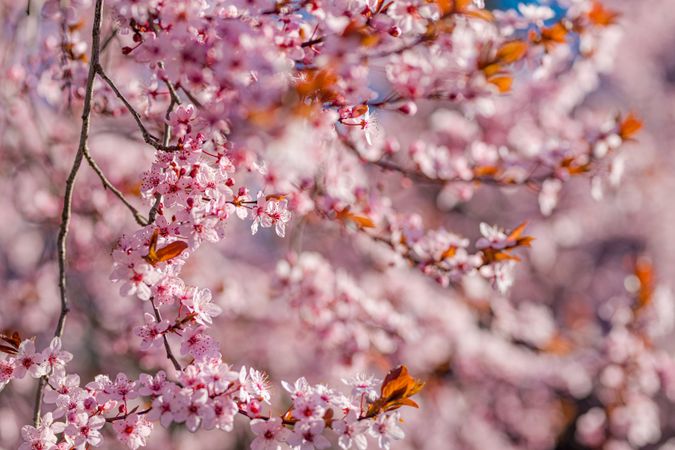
133	431
54	357
308	435
28	361
386	429
85	430
152	332
270	434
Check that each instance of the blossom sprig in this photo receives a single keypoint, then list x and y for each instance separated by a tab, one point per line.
206	394
23	359
274	111
445	256
487	164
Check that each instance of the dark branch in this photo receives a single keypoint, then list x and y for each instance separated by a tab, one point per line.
167	347
68	195
109	186
147	136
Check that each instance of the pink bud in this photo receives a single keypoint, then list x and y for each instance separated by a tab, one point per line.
408	108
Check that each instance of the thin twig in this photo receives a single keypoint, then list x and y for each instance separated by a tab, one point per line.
192	98
149	138
424	178
68	195
155	207
312	42
175	100
109	39
109	186
124	416
167	347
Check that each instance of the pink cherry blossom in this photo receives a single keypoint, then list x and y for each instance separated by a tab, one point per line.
386	429
85	430
151	333
270	434
7	371
42	437
391	147
351	432
28	361
307	436
133	431
55	357
201	305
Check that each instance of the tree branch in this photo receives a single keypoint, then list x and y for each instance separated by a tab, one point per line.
167	347
68	195
192	98
418	176
109	39
175	100
147	136
109	186
155	207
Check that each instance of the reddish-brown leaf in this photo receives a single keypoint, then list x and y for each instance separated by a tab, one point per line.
503	82
449	253
629	127
514	235
362	221
166	253
317	84
453	6
397	388
601	16
550	36
10	341
359	110
512	51
644	272
557	345
484	171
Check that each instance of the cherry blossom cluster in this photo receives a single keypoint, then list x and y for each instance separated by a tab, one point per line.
406	150
223	55
24	360
452	52
207	394
194	199
631	374
446	256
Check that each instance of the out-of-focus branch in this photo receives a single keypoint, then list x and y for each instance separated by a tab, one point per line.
175	100
109	39
147	136
68	195
391	166
192	98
